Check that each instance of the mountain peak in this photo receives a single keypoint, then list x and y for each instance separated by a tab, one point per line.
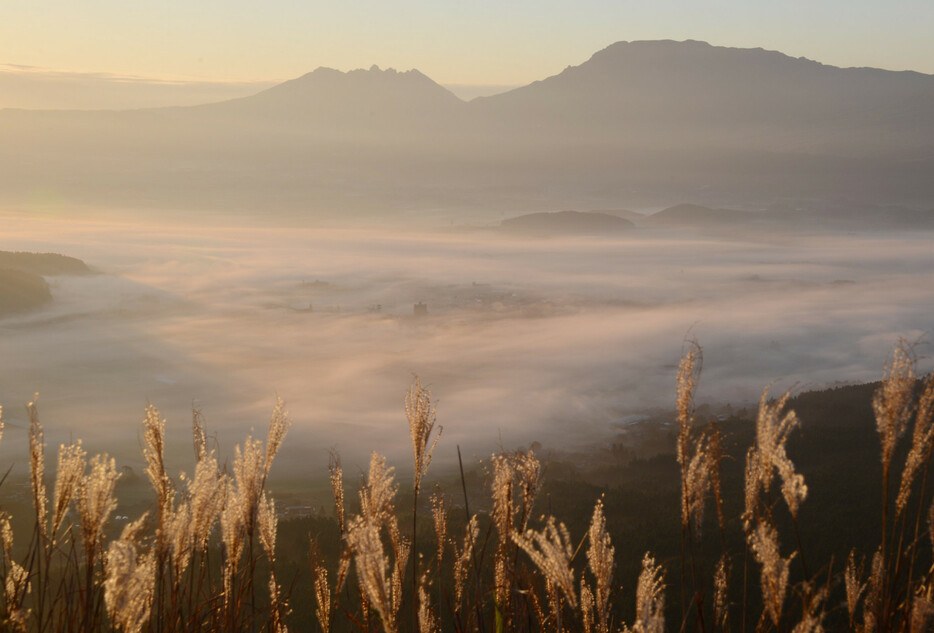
368	95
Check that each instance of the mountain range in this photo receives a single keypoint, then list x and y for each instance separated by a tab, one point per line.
639	123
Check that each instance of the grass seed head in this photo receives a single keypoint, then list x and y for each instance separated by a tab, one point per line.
37	466
71	465
551	550
775	569
892	401
462	559
421	417
600	559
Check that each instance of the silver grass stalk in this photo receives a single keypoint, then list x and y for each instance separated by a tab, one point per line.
6	535
752	481
600	558
421	416
770	456
854	589
40	498
689	370
922	441
714	457
337	485
528	470
696	486
206	493
428	621
462	559
179	530
96	501
813	616
16	588
587	606
71	464
199	439
371	563
232	536
268	524
154	453
892	401
128	589
775	569
401	549
721	584
343	566
501	582
277	606
439	518
248	467
502	486
279	424
874	589
376	496
551	550
322	595
794	490
650	599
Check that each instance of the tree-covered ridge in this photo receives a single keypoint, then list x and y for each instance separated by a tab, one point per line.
43	263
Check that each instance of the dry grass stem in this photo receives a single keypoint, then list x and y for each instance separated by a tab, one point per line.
600	558
428	621
892	402
922	441
551	551
462	559
71	465
96	501
775	569
371	563
853	575
337	485
439	518
650	599
37	467
130	581
421	417
322	595
721	586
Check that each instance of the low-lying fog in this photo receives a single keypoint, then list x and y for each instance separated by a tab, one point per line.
555	340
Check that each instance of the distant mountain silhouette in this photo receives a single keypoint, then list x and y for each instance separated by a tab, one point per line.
567	223
371	98
638	123
691	93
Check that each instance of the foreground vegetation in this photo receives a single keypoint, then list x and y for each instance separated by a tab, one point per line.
205	555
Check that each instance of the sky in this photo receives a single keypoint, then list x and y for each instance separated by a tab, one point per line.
480	42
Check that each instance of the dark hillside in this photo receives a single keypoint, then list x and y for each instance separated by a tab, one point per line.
21	290
43	263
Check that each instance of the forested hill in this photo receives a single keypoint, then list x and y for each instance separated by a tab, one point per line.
43	263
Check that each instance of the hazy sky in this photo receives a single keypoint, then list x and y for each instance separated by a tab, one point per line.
475	42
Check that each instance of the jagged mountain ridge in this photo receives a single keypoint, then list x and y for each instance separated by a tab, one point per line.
357	97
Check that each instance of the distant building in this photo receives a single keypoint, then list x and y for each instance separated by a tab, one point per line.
420	309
